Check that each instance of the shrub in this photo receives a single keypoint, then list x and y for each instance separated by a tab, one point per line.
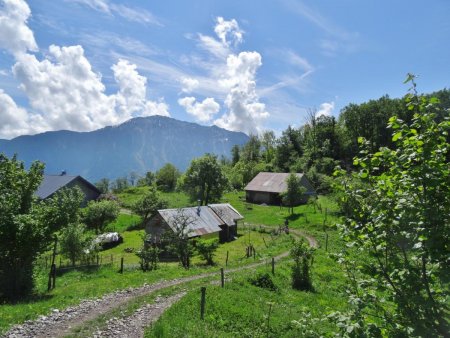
301	269
149	257
207	249
263	280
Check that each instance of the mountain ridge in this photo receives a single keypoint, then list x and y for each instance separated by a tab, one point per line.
139	144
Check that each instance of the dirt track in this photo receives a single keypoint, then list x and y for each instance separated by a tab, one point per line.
62	323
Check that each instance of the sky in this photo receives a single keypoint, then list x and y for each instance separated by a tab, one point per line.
243	65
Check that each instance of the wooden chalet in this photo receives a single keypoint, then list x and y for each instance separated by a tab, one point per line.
268	187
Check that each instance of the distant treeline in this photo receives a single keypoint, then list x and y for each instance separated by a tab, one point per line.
315	148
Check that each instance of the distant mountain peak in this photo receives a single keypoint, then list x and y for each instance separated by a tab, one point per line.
139	144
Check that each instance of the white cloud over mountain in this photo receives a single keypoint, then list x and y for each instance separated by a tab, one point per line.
202	111
235	74
63	90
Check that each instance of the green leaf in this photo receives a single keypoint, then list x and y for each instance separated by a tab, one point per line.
397	136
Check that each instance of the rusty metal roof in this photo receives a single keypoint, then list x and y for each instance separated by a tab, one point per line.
275	182
226	212
199	220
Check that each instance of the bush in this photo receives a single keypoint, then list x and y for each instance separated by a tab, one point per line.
264	281
301	270
207	249
149	257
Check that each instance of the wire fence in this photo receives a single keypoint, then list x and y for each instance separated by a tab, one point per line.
44	262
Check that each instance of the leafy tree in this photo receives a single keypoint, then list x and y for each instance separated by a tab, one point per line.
289	149
103	185
401	218
251	151
292	196
166	177
267	140
120	184
148	179
302	254
235	154
73	241
207	249
97	215
149	204
134	176
148	255
178	239
27	225
204	180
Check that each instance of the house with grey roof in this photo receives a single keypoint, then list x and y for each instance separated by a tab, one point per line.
202	221
51	184
268	187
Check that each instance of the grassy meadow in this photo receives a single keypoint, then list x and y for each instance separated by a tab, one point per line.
239	302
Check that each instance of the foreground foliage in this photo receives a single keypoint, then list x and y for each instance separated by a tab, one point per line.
26	225
401	217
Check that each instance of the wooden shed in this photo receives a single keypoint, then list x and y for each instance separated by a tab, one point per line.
267	188
215	220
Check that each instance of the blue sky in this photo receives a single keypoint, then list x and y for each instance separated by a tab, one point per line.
242	65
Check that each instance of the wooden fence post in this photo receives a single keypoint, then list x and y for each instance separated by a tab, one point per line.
273	265
326	242
222	278
254	253
202	302
121	265
226	261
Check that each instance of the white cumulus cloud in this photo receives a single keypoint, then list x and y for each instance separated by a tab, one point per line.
245	112
325	109
63	90
202	111
189	84
13	119
15	35
228	31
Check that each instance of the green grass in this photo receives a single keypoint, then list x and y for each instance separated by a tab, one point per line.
240	309
75	285
175	199
124	222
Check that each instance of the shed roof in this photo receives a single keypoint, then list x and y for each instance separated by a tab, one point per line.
227	213
52	183
200	220
270	182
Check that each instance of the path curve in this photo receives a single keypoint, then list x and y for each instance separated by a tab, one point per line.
61	323
134	325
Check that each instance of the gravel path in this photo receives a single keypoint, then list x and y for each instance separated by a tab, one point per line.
134	325
61	322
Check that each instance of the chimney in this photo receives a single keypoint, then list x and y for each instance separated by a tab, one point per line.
198	207
63	173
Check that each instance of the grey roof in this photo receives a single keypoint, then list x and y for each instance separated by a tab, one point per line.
52	183
275	182
227	213
200	220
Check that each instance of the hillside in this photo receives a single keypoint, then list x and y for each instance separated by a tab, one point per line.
140	144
